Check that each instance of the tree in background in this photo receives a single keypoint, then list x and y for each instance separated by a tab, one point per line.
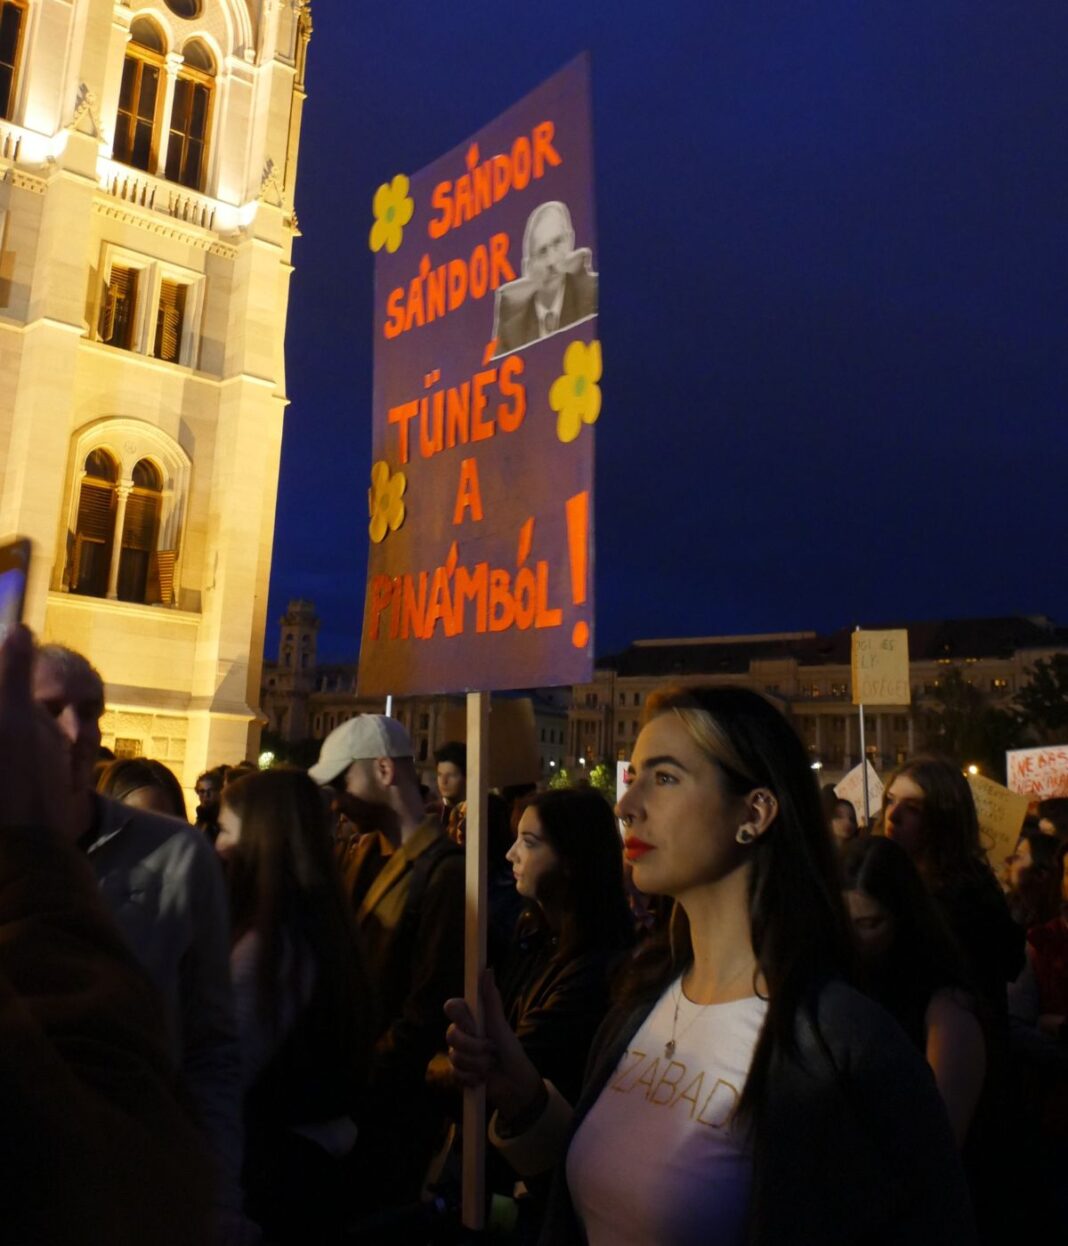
560	778
1042	703
603	780
962	724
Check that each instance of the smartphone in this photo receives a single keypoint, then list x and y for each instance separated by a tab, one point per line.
14	571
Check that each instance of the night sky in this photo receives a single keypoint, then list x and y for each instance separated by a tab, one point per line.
833	281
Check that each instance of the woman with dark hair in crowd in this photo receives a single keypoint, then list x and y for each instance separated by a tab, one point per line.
840	815
1039	997
567	860
302	1001
144	784
1031	879
928	810
913	967
738	1092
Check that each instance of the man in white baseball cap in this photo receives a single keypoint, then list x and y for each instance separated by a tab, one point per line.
407	888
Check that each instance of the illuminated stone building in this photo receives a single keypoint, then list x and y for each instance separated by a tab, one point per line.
807	675
148	153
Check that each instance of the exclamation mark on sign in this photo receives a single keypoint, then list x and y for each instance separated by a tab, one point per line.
578	529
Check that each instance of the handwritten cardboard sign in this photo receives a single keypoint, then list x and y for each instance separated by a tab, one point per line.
1001	814
1038	773
487	387
881	668
851	788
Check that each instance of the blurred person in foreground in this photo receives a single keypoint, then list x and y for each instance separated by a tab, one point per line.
304	1007
163	885
95	1149
406	883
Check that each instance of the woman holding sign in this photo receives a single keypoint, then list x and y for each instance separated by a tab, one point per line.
738	1090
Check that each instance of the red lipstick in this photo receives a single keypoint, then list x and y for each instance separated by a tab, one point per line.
634	849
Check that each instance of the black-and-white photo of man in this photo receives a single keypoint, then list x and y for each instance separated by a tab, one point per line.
557	288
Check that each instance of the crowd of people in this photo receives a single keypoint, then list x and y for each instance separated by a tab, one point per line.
749	1018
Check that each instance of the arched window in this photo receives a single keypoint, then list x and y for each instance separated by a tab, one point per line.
140	530
95	527
184	8
140	97
12	27
187	145
126	513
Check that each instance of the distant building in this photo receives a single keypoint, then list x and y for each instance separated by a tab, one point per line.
808	676
305	700
148	153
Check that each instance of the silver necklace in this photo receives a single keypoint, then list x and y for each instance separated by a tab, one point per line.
672	1043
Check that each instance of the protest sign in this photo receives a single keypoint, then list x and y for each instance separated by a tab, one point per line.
487	376
880	663
1038	773
851	788
1001	814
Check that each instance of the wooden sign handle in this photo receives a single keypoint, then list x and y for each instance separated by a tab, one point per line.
476	839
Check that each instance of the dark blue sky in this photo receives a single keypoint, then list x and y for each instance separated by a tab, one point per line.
833	285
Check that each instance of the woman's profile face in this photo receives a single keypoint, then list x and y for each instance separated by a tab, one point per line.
873	925
229	832
843	823
680	819
903	814
533	858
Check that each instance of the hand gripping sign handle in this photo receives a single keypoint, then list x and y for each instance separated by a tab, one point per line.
475	847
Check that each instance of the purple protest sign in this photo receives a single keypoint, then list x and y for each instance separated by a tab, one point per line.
486	389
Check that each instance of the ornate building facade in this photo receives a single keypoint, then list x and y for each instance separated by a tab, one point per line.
807	674
148	154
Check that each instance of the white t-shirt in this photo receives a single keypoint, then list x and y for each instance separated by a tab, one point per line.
655	1163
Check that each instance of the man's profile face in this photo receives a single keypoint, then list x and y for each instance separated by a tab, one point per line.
73	699
551	241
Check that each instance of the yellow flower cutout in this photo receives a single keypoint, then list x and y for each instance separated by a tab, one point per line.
576	395
385	500
393	210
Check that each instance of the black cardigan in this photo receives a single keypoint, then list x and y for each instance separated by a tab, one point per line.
855	1148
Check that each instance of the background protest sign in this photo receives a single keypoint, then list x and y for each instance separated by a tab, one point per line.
880	663
1001	814
487	384
851	788
1038	773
